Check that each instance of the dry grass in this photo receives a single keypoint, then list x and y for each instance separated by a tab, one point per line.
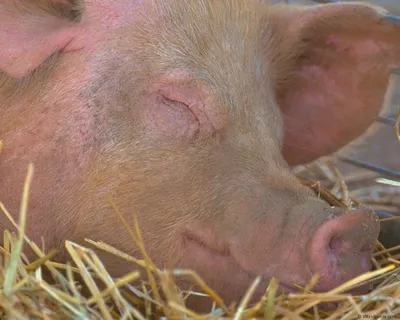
25	294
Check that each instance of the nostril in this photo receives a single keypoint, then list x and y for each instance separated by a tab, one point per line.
341	247
336	245
348	241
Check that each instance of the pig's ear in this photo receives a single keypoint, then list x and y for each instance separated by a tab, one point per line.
333	84
32	30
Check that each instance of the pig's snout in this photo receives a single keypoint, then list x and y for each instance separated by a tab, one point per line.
341	247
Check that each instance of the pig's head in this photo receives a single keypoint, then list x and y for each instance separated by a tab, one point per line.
189	114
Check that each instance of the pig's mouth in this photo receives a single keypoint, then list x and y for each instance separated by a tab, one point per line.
339	250
222	260
207	254
206	249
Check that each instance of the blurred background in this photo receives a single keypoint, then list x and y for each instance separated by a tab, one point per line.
380	147
391	5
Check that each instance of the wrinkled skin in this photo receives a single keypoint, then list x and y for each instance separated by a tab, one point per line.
190	116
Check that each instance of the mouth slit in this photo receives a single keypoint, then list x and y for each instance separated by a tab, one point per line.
223	252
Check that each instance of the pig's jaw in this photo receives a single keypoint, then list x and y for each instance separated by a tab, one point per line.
334	250
228	272
206	250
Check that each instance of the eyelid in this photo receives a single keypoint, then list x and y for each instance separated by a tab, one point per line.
174	103
171	102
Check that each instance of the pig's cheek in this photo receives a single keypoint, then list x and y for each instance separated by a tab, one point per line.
170	119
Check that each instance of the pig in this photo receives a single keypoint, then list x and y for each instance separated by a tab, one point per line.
190	114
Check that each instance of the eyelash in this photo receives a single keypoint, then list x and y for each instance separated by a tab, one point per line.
173	103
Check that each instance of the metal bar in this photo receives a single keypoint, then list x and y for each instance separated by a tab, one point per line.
365	165
384	215
386	120
392	17
326	1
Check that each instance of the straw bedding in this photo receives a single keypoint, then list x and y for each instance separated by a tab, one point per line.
25	293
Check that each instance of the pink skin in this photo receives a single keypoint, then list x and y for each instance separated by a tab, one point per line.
184	124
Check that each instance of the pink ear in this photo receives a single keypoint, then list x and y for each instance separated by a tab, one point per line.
338	78
30	32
